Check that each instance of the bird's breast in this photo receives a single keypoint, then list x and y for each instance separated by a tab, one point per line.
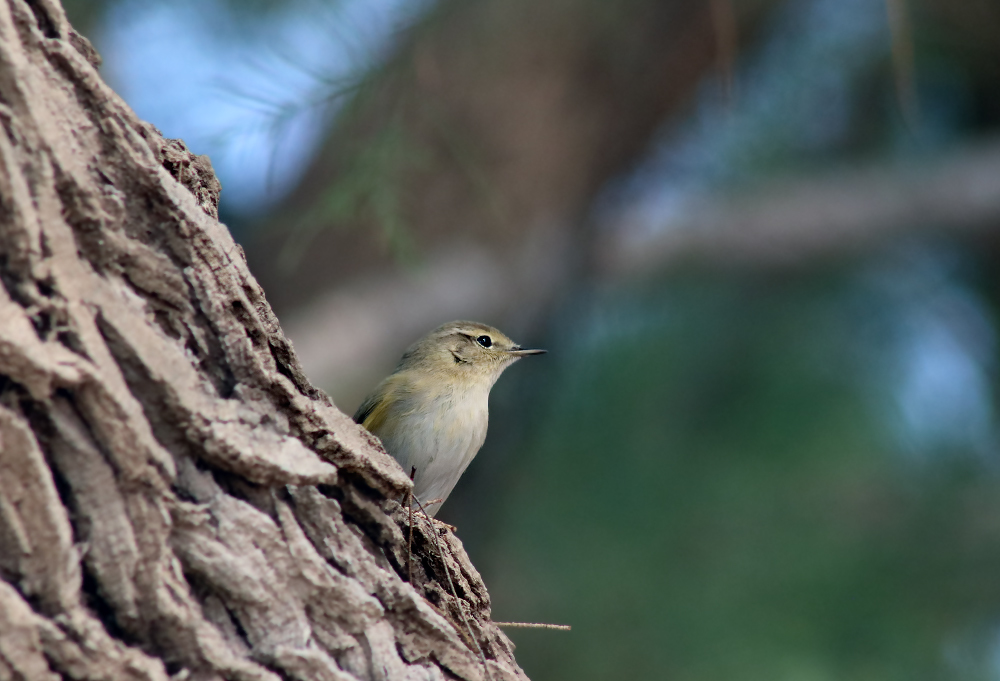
434	432
460	420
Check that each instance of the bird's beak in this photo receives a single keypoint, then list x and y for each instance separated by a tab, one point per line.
518	352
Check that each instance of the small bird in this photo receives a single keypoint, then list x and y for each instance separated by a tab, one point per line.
431	412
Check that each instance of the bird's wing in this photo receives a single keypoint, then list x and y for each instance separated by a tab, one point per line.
366	408
376	408
373	412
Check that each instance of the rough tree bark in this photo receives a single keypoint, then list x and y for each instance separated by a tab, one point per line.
176	499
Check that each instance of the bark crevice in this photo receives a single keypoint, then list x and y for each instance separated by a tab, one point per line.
160	446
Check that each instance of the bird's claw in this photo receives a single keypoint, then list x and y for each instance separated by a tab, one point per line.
443	527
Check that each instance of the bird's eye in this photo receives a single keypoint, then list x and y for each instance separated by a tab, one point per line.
485	341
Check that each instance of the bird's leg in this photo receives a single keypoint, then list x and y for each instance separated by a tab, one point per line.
441	525
409	543
447	573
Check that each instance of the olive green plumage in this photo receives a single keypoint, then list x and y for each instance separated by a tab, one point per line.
431	413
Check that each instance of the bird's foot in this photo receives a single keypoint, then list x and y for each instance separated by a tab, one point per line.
443	527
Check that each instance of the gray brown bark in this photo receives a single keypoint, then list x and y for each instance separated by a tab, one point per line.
176	499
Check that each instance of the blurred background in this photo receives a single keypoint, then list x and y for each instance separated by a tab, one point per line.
758	237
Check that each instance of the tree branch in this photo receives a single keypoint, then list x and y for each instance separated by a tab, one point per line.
795	221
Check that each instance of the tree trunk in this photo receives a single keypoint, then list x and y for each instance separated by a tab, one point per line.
176	499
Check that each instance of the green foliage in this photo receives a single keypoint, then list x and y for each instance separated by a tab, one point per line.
370	187
707	493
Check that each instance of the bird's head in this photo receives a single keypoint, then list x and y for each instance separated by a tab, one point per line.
466	351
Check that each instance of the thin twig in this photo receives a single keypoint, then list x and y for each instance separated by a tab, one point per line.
454	592
725	27
533	625
904	70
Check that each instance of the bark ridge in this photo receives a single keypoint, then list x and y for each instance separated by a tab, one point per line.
176	499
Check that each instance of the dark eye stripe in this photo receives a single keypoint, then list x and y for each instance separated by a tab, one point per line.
485	341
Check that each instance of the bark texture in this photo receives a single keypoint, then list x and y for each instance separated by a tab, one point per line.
176	499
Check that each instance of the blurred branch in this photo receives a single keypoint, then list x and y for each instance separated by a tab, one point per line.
350	334
791	222
342	335
491	120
